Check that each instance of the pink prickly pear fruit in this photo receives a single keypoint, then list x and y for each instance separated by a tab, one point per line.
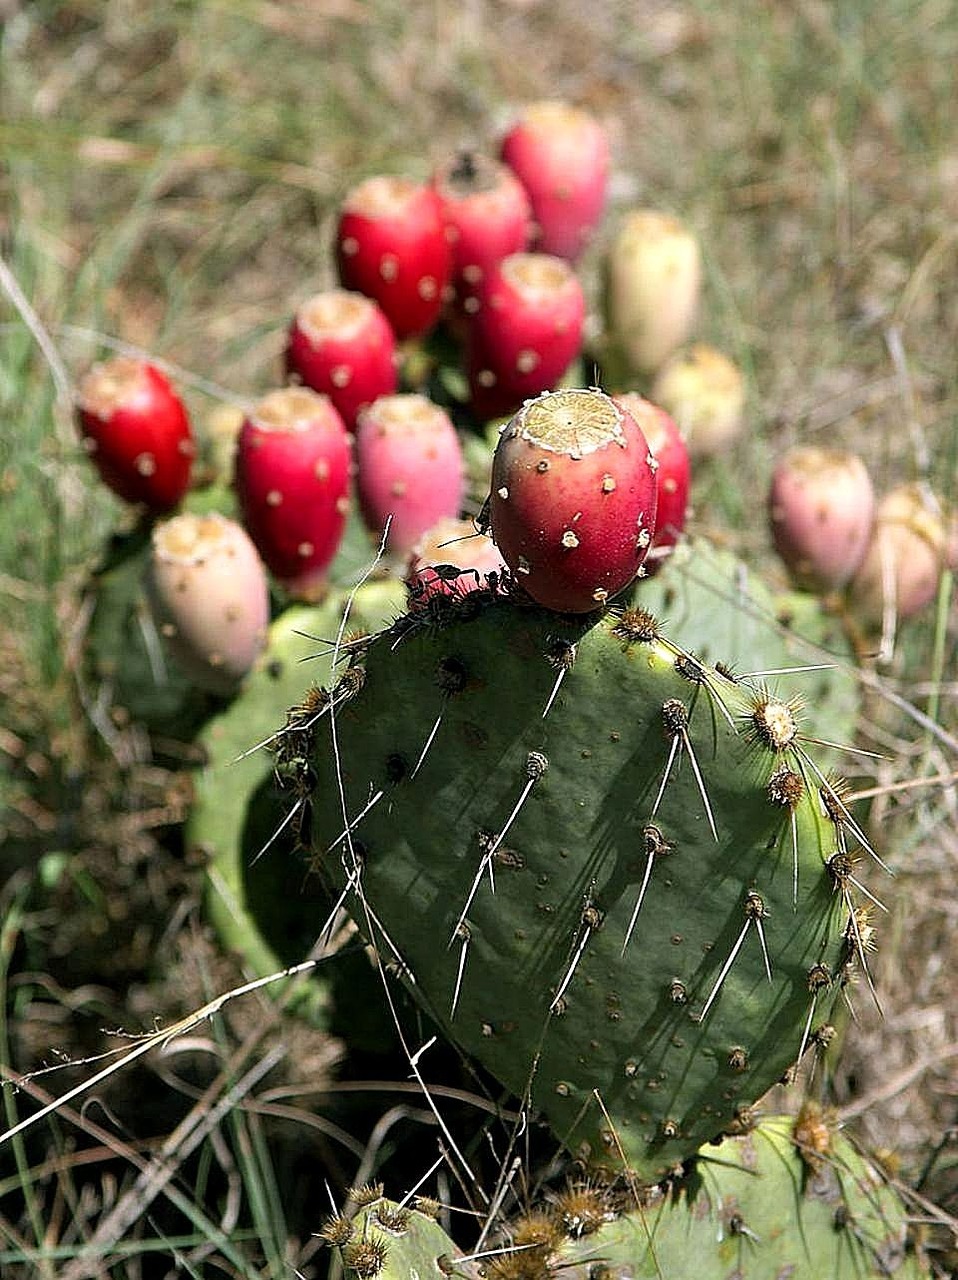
409	468
822	507
391	245
136	430
652	283
672	472
341	345
904	561
450	545
705	393
488	217
561	156
526	332
209	597
573	501
293	463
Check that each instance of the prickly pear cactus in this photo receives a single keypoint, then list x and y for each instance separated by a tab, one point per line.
384	1240
248	896
615	874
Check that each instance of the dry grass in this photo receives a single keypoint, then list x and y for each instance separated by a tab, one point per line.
168	180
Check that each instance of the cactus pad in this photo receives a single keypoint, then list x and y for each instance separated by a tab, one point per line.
608	868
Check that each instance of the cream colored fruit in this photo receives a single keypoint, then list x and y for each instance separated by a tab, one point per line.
905	559
653	274
704	392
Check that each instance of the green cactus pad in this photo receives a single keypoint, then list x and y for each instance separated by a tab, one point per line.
388	1241
238	806
634	1053
757	1208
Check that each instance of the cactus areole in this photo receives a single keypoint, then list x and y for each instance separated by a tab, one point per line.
573	499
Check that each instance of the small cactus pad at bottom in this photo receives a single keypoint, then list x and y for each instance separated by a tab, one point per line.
616	876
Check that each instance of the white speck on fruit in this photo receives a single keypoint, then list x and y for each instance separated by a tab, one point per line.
523	565
542	467
305	549
168	630
608	483
503	493
145	464
569	540
670	485
600	595
342	505
643	539
321	469
350	246
341	375
472	274
428	288
398	488
527	361
471	306
486	378
274	498
448	293
452	233
389	267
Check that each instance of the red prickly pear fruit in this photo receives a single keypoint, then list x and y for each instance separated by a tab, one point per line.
341	345
572	508
409	468
652	283
705	394
561	156
391	245
822	507
526	332
293	462
904	561
672	474
209	597
449	545
488	217
135	429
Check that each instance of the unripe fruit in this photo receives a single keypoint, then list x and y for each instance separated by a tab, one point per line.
573	499
822	506
209	597
292	480
136	431
391	245
488	217
705	394
455	544
561	156
905	558
672	472
652	284
341	345
409	468
526	332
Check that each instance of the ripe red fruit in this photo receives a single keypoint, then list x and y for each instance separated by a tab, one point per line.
447	546
341	345
673	472
573	499
488	217
409	468
136	431
561	156
292	480
391	245
822	508
526	332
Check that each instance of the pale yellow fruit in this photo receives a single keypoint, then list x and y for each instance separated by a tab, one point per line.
705	393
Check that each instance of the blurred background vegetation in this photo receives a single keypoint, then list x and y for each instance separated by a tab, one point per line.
168	179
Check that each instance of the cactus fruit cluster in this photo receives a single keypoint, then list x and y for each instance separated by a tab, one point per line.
792	1198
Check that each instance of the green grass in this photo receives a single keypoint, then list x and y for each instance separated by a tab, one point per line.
168	179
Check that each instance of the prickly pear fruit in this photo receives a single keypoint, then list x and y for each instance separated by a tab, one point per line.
292	480
672	472
526	332
210	600
409	468
391	245
450	545
792	1198
705	393
136	431
651	295
616	875
341	345
822	506
488	218
905	558
573	501
561	155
